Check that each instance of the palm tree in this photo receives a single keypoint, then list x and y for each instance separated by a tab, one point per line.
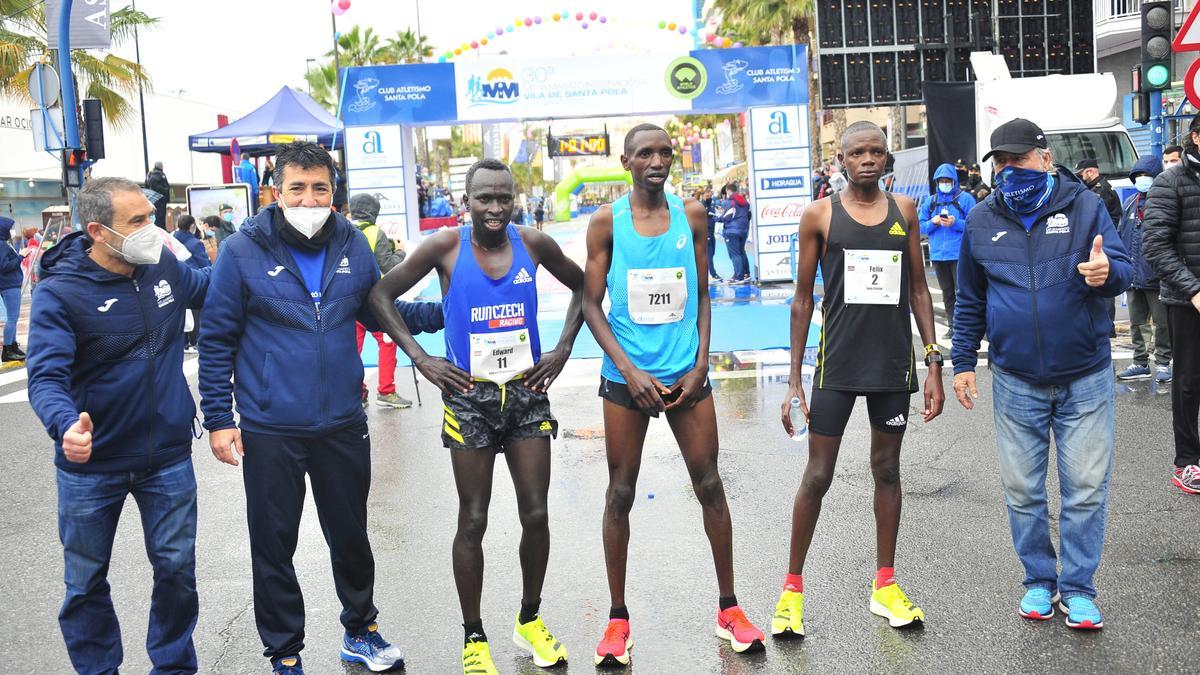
109	78
775	22
323	85
407	47
359	48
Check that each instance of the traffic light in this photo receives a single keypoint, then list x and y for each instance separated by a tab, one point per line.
73	161
93	125
1157	26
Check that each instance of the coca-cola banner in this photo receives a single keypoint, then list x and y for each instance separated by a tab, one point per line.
780	179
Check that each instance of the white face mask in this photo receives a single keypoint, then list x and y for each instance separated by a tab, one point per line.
143	247
307	220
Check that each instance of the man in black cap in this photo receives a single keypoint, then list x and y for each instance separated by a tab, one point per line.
1039	257
1089	172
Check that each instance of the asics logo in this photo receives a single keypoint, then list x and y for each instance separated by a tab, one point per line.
107	305
998	235
275	272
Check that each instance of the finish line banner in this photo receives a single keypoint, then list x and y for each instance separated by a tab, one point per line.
499	89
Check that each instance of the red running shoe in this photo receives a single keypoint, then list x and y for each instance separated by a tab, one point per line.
1187	478
615	645
733	625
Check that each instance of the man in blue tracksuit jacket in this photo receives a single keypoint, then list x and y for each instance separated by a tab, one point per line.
106	379
943	216
1039	257
279	334
1142	295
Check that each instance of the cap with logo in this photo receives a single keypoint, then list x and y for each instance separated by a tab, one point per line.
1016	137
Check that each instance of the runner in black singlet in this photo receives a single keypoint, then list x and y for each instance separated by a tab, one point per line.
869	246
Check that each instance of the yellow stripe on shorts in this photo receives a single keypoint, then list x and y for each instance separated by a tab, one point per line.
452	433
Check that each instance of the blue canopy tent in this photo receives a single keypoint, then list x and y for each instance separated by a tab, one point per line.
289	115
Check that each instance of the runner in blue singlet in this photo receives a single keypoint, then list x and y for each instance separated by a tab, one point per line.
648	252
493	384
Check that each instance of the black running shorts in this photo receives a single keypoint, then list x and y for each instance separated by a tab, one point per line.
492	415
829	411
618	393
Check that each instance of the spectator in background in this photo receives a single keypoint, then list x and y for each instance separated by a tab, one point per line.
185	234
423	198
245	172
364	210
737	230
539	214
11	279
157	180
1089	172
705	197
1172	245
268	175
974	179
1143	293
820	186
943	216
1172	155
341	200
226	225
837	182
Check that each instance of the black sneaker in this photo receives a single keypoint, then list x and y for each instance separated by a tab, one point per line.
11	353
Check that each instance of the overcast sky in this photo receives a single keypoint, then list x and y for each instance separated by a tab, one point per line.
238	53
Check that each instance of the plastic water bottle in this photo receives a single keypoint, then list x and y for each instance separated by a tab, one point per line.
799	422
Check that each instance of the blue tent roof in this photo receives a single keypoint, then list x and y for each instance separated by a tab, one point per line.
289	115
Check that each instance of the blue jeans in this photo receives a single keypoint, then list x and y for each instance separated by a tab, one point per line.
736	245
12	313
1082	415
89	506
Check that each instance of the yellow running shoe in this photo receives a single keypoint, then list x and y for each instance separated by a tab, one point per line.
789	616
536	639
891	603
477	659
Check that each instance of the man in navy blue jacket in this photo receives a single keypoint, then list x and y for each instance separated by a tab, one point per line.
106	379
279	333
1039	257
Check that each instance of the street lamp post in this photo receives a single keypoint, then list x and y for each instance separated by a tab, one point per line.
137	55
308	73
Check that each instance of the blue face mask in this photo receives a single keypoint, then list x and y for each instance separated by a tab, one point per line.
945	188
1024	190
1143	183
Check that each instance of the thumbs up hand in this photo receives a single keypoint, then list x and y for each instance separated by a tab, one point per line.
1095	270
77	442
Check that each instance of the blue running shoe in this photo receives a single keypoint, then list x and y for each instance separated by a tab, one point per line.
370	649
1135	372
1038	604
1082	613
287	665
1162	374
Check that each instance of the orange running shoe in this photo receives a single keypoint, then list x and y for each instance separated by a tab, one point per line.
615	645
733	625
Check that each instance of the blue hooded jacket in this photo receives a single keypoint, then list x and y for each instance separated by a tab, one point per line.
944	242
10	260
292	364
199	258
1024	291
112	346
737	222
1130	228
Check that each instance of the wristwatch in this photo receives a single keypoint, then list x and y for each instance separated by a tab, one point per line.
933	357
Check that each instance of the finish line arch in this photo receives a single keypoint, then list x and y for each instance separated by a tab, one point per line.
576	179
381	105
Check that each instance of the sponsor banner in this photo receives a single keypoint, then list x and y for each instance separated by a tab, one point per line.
779	127
412	93
501	88
374	147
775	266
590	86
766	160
391	200
779	211
776	238
738	79
782	183
394	224
89	24
375	178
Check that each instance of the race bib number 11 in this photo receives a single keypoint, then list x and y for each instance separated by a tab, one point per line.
500	357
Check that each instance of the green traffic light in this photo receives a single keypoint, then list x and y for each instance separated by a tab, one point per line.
1158	75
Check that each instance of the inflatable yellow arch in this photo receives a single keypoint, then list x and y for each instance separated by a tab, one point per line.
573	182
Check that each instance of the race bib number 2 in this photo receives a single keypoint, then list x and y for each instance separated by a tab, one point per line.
872	277
657	295
500	357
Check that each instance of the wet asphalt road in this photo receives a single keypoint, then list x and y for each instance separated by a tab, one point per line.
955	558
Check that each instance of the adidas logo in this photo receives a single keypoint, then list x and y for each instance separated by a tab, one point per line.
546	426
897	421
523	277
896	230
